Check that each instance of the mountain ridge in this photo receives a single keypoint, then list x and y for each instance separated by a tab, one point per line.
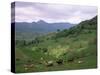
41	26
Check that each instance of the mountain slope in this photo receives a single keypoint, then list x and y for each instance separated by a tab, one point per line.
83	27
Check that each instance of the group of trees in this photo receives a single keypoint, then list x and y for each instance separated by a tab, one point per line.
26	42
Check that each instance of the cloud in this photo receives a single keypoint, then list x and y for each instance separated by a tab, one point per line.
29	12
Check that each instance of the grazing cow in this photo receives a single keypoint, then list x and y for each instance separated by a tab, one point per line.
80	62
49	63
28	66
31	65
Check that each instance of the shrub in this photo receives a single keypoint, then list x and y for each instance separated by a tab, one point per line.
44	50
59	61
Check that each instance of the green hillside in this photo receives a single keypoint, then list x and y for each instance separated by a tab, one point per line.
68	49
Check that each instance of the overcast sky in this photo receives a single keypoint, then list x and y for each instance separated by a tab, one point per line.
29	12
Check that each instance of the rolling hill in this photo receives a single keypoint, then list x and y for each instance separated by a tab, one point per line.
67	49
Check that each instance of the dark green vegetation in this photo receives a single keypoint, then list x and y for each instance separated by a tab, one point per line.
67	49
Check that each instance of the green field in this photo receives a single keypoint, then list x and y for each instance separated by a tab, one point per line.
68	49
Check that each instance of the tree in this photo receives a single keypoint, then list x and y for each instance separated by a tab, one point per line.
36	40
58	30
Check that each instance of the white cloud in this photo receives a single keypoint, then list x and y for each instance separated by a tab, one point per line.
29	12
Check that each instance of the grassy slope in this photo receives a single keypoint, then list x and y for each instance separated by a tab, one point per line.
79	45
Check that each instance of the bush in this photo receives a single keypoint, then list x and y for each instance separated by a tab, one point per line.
70	56
41	49
44	50
59	61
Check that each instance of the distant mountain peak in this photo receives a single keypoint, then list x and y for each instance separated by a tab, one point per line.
41	21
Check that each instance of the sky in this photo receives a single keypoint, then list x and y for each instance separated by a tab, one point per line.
51	13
